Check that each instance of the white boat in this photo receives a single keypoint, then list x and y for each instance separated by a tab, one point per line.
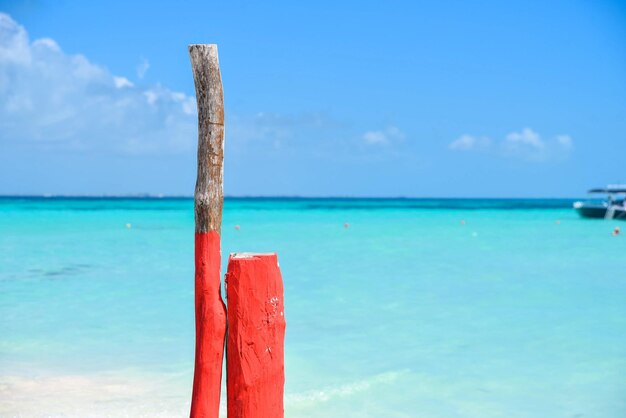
613	206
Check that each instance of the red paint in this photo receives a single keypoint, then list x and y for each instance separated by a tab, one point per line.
256	334
210	328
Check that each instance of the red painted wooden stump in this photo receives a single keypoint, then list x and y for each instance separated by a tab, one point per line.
256	333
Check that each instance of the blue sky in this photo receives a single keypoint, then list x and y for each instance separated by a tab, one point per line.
455	99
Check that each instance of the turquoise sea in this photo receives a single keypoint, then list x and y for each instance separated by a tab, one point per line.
519	311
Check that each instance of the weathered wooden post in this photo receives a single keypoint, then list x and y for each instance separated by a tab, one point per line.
255	372
208	202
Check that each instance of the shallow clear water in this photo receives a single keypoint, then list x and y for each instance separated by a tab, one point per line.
406	313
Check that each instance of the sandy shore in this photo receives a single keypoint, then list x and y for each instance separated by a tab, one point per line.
115	394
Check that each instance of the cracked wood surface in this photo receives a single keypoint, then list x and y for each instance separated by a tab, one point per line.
209	193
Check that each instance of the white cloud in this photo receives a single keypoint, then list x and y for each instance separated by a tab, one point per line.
151	96
526	137
47	43
385	136
14	47
278	130
524	145
375	137
143	68
121	82
565	141
52	99
528	145
469	142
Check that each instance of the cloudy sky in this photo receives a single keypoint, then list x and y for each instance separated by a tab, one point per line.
359	99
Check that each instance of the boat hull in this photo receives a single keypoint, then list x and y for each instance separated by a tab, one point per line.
600	212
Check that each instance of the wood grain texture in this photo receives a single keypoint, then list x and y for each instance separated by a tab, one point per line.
256	333
209	193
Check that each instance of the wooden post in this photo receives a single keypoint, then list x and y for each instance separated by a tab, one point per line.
255	372
208	202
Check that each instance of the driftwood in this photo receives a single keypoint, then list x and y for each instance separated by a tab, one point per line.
209	193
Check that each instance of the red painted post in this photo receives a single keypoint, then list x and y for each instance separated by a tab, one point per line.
210	328
208	203
256	333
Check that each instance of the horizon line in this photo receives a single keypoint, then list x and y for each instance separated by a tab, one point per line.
157	196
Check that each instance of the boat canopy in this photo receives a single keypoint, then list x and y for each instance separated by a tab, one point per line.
610	189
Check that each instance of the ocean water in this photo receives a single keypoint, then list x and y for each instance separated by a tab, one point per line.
519	311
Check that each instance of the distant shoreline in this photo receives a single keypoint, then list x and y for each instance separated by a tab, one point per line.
184	197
